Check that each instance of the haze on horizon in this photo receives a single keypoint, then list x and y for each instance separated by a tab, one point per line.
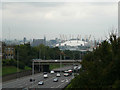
34	20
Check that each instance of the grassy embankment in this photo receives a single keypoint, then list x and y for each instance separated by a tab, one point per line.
6	70
12	69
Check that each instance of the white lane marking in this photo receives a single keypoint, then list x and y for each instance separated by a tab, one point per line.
62	83
50	79
44	81
59	85
62	80
69	79
66	80
21	80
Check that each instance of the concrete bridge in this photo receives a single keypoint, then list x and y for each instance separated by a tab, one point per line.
48	62
43	65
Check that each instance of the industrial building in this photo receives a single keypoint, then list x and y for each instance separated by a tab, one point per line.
37	42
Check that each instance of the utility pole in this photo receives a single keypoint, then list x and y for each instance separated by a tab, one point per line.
33	67
44	53
39	66
73	65
17	62
39	59
60	62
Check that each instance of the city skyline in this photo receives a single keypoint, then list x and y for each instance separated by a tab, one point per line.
53	19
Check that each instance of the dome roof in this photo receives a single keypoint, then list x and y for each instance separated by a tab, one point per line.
73	43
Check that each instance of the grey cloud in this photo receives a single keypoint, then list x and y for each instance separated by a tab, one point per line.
33	20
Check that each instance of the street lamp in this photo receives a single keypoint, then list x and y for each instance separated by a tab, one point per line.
17	62
33	67
60	62
73	64
39	59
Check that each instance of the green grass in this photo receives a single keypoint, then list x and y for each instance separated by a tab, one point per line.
9	70
28	68
6	70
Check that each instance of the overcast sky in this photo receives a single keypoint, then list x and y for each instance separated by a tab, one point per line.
34	20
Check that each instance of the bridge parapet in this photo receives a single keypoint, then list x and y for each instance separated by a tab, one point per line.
56	61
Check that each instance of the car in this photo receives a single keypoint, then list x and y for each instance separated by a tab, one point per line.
45	76
66	71
79	68
40	83
70	72
32	79
75	67
52	72
58	75
55	80
66	74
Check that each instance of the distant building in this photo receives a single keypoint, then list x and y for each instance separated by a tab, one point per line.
74	45
24	40
37	42
52	43
8	52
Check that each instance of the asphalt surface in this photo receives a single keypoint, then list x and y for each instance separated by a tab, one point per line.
63	68
24	82
48	83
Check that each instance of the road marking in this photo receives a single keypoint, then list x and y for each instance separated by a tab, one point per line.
62	80
21	80
43	80
66	80
63	83
50	78
69	79
59	85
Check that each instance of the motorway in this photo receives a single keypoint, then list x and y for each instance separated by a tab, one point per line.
24	82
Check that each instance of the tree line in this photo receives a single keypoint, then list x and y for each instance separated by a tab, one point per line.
25	53
100	68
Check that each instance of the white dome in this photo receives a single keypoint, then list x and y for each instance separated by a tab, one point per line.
73	43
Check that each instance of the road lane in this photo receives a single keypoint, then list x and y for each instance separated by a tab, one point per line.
21	81
50	84
24	82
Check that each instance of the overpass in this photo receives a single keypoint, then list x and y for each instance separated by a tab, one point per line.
48	62
43	65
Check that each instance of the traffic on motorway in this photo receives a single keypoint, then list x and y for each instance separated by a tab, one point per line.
58	74
50	79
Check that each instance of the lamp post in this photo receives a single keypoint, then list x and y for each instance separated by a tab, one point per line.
33	68
17	62
60	62
39	59
73	65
